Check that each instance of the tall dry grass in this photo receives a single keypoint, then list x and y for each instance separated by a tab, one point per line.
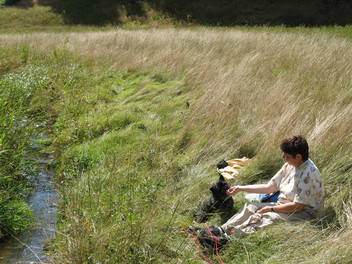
250	89
266	84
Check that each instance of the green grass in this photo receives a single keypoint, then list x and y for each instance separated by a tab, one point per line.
136	146
17	130
13	19
115	147
128	178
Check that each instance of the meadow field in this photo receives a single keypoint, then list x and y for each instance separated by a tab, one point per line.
139	119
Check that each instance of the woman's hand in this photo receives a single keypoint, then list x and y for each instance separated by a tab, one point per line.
265	209
233	190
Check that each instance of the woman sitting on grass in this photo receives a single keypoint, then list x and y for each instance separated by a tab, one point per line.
301	197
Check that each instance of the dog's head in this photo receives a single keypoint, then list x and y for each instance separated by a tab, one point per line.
219	188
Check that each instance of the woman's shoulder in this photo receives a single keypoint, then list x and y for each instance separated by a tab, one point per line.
312	167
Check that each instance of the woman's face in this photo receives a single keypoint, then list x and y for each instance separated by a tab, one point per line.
293	161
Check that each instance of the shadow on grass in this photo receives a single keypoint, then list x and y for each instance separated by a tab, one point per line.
259	12
206	12
92	12
328	219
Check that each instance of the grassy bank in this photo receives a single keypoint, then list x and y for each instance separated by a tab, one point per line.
18	129
140	118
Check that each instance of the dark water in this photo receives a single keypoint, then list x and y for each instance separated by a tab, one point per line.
28	247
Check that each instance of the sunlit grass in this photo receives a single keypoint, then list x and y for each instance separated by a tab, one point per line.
140	118
12	18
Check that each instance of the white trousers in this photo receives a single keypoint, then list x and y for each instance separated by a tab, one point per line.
247	221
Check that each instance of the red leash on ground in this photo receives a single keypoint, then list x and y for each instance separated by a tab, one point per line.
200	253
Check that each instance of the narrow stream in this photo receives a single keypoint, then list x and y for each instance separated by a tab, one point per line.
28	247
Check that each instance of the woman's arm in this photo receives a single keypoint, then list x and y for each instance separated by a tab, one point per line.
258	188
287	208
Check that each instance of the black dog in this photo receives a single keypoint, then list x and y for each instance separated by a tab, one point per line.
219	202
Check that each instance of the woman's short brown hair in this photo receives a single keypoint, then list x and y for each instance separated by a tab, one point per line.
295	145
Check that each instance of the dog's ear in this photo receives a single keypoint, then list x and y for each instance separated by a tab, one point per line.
221	177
